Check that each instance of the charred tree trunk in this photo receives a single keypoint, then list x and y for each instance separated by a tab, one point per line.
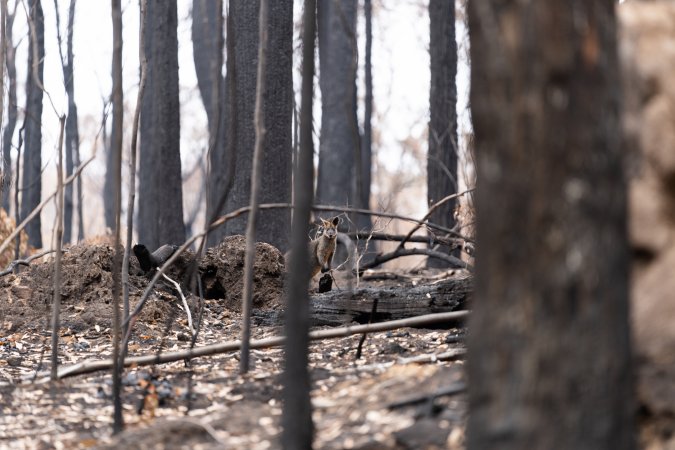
274	226
363	221
207	41
109	180
550	362
443	148
118	120
8	132
32	155
72	132
337	178
160	200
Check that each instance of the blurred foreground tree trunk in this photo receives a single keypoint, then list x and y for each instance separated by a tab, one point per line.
160	198
550	362
273	225
32	155
296	419
443	147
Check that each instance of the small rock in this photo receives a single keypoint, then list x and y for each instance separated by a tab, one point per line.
14	361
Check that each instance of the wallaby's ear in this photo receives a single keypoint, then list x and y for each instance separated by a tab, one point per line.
336	220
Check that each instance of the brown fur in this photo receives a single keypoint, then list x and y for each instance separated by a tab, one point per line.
322	249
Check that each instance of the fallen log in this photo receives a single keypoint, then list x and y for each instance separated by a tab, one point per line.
340	307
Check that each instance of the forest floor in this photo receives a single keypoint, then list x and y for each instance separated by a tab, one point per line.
384	400
208	404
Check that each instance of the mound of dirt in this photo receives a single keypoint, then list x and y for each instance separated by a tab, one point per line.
222	270
86	287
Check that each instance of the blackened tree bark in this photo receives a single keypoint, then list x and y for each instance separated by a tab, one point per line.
297	408
116	168
109	179
207	42
363	191
160	200
10	126
32	155
549	343
336	184
72	131
442	155
273	225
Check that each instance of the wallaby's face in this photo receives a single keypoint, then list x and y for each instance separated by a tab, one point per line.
330	227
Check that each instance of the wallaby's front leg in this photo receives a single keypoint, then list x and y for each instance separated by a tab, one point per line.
326	266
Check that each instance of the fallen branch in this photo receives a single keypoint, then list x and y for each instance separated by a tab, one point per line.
453	389
275	341
456	353
24	262
402	251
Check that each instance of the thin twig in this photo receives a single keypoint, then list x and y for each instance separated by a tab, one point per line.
187	308
275	341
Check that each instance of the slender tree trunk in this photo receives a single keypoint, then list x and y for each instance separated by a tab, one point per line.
259	122
118	120
132	166
296	418
72	133
72	129
550	362
32	155
160	200
443	149
109	180
337	176
366	165
56	303
8	132
278	110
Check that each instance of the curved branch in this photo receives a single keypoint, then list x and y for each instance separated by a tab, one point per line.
24	262
399	252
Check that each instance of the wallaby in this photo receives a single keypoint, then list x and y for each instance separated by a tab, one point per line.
322	249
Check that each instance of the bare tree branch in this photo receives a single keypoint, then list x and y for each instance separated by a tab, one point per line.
24	262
